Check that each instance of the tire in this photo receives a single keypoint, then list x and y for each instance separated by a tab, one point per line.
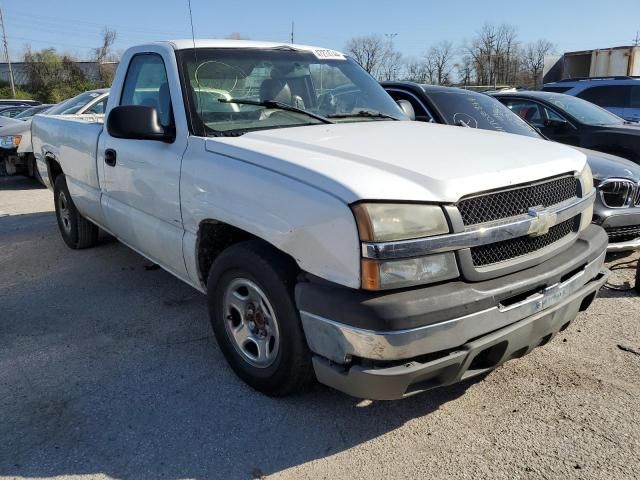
285	367
77	232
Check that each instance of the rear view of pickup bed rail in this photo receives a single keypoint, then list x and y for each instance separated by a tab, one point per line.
334	239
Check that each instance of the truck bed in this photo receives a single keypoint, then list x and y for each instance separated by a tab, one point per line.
72	141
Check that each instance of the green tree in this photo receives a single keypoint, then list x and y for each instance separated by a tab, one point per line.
54	77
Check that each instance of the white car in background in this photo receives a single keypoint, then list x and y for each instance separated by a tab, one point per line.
15	137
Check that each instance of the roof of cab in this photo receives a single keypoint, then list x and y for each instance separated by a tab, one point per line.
184	44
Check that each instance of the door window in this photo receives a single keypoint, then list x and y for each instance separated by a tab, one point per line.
635	96
146	84
99	107
607	96
421	112
531	112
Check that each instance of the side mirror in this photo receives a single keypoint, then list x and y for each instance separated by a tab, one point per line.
138	122
407	108
556	123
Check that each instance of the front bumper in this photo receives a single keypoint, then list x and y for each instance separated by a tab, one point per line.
622	227
393	363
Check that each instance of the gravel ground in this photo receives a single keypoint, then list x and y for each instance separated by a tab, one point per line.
108	369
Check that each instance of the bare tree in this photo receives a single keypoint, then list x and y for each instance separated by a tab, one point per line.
494	54
416	71
368	51
533	59
440	57
390	64
103	54
464	69
507	54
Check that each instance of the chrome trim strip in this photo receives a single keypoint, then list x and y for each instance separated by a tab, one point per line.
632	191
627	246
338	342
481	234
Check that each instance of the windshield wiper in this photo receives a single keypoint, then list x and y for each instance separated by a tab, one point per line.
362	114
274	104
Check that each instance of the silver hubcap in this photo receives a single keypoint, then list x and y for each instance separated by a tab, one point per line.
251	323
63	209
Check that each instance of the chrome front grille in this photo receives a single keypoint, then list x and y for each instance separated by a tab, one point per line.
517	247
529	201
518	200
619	193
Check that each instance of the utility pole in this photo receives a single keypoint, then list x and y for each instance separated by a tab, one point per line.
6	55
391	36
636	41
292	29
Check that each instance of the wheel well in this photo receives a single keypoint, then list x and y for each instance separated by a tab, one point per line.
54	169
213	238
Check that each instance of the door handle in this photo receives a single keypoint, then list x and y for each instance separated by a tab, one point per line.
110	157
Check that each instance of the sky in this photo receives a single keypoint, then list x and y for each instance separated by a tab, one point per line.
74	26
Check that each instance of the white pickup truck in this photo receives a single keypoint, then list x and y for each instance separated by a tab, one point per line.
334	240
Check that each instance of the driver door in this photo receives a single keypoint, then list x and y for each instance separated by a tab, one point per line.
140	180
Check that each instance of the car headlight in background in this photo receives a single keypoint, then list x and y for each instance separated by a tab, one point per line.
10	141
397	222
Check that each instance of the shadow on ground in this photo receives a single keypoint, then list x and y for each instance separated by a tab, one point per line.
108	367
19	183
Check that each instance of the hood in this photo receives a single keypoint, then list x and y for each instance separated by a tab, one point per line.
627	129
606	166
16	128
405	161
5	121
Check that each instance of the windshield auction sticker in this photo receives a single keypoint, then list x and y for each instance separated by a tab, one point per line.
326	54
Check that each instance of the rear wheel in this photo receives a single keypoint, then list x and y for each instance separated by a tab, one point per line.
77	232
255	319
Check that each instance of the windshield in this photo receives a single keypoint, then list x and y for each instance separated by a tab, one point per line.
30	112
477	110
323	83
583	111
73	105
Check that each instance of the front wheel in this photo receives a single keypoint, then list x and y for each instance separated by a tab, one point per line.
77	232
255	320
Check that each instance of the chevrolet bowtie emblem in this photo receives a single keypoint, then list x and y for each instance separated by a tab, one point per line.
541	222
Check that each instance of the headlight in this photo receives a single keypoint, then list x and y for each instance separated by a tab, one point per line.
587	180
10	141
408	272
396	222
386	222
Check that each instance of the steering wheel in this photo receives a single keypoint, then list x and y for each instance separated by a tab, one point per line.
218	68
